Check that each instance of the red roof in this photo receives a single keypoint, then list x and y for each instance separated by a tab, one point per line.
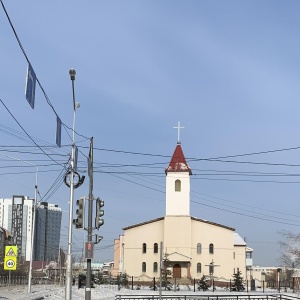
178	162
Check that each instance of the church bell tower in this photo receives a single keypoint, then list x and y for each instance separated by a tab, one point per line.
178	183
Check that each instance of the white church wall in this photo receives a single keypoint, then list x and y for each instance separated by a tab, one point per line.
178	202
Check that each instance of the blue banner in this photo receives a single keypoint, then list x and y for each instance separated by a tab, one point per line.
58	131
30	86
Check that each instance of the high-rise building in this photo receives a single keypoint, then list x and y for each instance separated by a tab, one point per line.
16	216
47	237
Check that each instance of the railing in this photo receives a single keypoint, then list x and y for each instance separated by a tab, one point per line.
207	297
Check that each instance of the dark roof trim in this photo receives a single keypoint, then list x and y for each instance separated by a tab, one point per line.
144	223
212	223
193	218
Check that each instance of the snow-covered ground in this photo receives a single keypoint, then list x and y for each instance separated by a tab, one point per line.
99	292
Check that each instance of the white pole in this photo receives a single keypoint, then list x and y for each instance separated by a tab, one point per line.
161	266
68	294
33	230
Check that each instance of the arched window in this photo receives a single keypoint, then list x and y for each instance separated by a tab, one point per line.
155	248
199	248
198	267
155	267
211	248
144	267
144	247
177	185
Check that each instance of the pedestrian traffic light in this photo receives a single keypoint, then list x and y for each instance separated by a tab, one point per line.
79	221
99	213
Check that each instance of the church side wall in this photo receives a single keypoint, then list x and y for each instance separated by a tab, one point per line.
240	259
223	250
133	250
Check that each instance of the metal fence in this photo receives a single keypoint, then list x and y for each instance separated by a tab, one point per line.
208	297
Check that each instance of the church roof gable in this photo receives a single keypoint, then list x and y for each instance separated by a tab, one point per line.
175	256
178	162
143	223
212	223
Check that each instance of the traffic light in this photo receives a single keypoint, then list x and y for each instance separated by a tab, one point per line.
99	213
79	221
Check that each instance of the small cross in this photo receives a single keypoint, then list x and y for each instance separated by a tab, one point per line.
178	127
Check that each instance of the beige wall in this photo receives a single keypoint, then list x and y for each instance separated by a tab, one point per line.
180	236
134	238
222	240
115	270
240	260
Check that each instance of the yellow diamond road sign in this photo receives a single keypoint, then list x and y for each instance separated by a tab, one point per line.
10	259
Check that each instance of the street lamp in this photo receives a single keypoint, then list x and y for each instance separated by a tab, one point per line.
68	294
278	278
33	216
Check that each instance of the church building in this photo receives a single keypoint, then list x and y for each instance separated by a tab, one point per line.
195	247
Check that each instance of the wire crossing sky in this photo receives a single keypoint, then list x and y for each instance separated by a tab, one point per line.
228	71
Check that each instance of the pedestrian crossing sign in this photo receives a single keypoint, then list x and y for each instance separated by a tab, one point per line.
10	259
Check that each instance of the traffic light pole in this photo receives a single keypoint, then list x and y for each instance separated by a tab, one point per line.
90	225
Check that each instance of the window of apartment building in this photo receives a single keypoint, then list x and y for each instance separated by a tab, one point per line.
248	254
199	248
155	267
198	267
155	248
144	267
177	185
211	248
144	247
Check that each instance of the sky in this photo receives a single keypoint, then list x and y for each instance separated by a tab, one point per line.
227	70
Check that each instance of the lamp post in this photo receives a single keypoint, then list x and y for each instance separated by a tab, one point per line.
278	279
33	216
68	294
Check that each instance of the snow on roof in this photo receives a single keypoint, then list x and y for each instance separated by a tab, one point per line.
178	162
238	241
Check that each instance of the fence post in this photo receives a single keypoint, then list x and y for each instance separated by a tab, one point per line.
132	282
194	284
153	283
247	285
230	285
263	286
293	284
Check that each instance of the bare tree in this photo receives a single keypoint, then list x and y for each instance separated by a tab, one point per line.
290	248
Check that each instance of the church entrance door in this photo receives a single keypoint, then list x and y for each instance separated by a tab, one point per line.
176	271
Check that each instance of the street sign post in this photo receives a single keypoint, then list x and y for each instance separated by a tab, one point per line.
10	259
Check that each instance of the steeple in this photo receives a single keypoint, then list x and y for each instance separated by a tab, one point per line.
178	162
178	183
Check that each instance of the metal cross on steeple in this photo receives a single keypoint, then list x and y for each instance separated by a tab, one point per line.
178	127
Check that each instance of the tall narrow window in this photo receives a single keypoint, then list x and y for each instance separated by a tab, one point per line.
199	248
155	267
155	248
198	267
211	248
177	185
144	247
144	267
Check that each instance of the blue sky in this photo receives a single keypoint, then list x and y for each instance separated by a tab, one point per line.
227	70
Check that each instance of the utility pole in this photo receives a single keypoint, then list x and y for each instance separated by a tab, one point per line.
90	225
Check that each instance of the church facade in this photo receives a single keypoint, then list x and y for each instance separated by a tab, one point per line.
195	247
